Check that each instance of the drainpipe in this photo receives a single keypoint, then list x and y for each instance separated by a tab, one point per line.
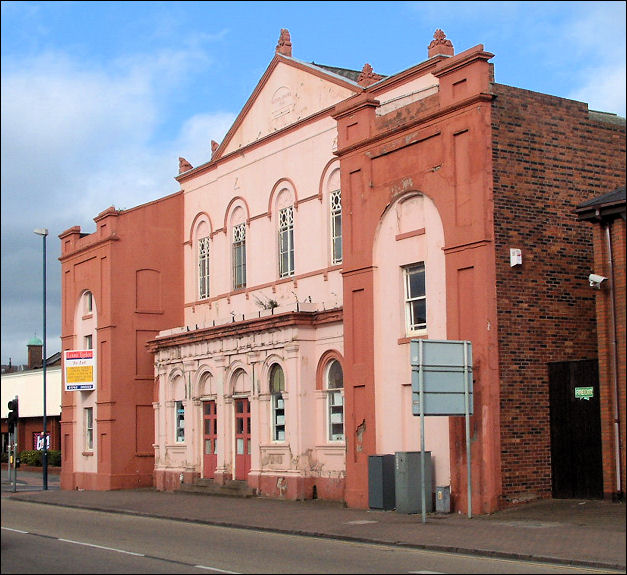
614	358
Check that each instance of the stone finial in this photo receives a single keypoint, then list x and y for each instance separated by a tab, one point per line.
184	165
285	44
440	45
214	146
367	76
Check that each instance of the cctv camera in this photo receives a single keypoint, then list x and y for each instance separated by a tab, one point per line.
596	280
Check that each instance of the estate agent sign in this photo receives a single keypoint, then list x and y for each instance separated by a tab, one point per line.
79	370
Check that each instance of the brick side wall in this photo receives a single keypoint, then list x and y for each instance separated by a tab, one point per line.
548	157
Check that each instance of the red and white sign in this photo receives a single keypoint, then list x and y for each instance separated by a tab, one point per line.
80	370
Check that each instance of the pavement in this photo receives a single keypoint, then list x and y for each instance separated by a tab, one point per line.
577	532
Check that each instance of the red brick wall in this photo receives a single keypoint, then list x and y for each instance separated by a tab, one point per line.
27	426
548	157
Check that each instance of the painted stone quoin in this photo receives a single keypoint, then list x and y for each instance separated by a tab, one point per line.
265	337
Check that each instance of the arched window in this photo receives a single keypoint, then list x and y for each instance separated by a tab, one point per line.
277	387
286	242
334	385
203	267
335	214
239	256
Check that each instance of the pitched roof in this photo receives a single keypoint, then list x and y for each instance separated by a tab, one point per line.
610	204
352	75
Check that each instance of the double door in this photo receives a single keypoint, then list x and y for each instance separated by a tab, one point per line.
242	438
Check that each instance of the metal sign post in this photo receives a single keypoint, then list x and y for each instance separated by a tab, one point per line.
13	460
441	372
467	383
423	497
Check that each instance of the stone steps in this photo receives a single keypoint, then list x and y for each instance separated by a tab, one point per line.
209	487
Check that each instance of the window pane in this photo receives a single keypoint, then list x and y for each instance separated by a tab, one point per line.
417	283
419	313
208	447
277	379
286	242
203	268
239	256
239	446
335	377
415	298
179	421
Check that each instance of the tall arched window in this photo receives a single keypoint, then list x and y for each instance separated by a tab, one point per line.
277	387
286	242
334	385
335	213
203	267
239	256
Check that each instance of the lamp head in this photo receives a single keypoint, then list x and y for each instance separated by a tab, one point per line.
41	231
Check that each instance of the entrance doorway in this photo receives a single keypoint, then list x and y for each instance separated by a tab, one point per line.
242	438
576	456
210	437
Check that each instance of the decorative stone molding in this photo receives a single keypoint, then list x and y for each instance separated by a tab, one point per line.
284	46
440	45
367	76
184	165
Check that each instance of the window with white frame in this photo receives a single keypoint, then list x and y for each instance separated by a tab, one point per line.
89	342
203	268
334	384
335	206
277	387
415	297
179	421
88	416
239	256
286	242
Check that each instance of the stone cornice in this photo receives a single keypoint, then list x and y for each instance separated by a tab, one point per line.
245	327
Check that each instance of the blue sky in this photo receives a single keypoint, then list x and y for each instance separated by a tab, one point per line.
99	99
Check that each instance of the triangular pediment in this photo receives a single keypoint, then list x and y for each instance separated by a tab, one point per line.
288	92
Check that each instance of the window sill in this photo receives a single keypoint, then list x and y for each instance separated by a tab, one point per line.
88	453
404	340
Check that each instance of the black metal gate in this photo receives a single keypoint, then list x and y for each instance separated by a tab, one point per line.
576	456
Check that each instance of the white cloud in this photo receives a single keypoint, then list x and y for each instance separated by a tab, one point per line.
77	139
603	90
194	140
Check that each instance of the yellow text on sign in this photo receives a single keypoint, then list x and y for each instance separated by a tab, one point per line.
79	374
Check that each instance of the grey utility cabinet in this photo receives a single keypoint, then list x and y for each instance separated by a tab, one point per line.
408	482
381	482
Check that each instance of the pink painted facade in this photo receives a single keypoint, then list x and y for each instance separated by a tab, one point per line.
272	191
344	214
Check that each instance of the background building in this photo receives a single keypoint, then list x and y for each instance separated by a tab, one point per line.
27	384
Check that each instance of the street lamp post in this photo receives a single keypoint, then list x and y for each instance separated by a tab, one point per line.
43	232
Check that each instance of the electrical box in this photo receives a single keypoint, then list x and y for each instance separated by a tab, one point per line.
408	482
443	499
381	482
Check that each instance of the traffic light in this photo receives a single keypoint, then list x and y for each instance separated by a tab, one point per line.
13	414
